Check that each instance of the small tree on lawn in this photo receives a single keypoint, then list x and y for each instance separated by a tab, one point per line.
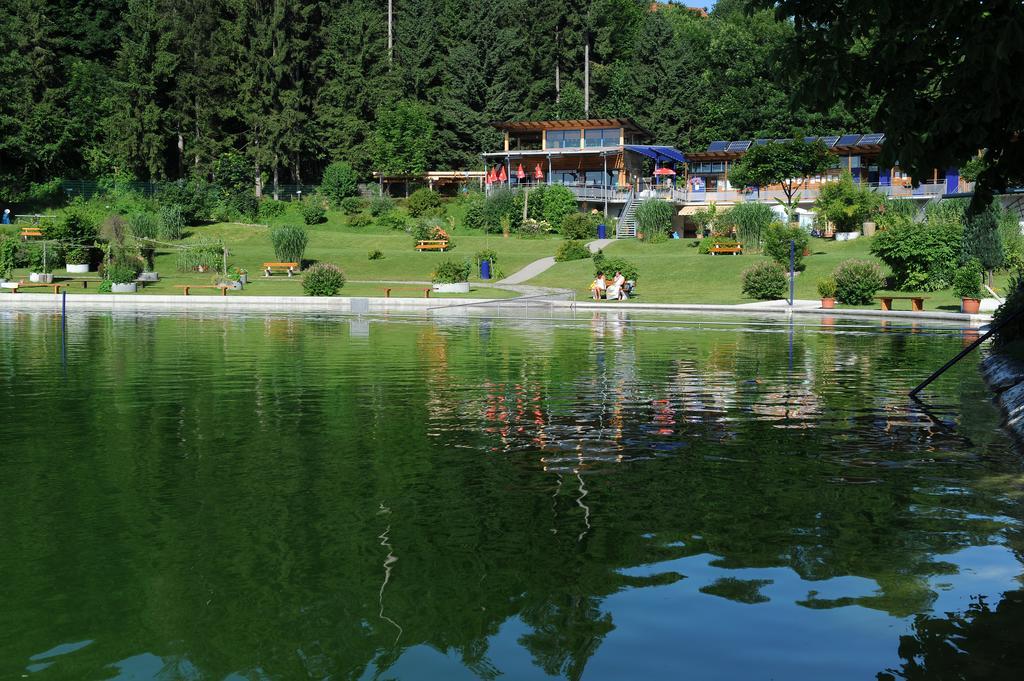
846	204
781	163
339	181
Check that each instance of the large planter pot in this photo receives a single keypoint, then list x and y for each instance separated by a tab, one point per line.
846	236
828	303
244	278
458	287
40	278
77	268
124	288
970	305
149	276
233	285
868	228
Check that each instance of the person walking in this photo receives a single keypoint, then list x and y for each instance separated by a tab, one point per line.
7	216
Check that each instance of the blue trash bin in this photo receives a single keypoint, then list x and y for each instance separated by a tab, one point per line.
601	231
485	269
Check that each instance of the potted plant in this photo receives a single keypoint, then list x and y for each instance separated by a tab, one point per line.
827	291
232	278
77	260
452	276
121	277
40	266
967	285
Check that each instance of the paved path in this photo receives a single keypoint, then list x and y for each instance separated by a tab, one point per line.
538	266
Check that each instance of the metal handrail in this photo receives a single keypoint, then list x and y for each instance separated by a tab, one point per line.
963	353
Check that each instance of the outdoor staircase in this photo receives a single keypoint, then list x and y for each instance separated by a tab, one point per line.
626	226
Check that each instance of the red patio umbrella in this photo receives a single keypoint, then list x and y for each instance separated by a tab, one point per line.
501	175
489	177
664	171
520	173
538	173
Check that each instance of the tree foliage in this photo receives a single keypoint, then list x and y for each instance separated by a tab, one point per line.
781	163
943	73
846	204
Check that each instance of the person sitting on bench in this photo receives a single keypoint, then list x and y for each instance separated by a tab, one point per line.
599	286
615	288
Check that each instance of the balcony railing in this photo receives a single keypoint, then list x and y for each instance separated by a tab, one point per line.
614	194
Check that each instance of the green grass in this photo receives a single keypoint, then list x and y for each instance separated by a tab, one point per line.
673	272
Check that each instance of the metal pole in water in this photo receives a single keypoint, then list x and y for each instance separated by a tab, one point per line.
792	270
64	330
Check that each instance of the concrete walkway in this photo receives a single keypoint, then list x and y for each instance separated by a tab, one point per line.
538	266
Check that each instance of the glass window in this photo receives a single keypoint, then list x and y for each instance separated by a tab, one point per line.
718	167
598	177
601	137
563	139
563	177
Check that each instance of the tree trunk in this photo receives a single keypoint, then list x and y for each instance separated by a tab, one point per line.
586	78
181	154
275	179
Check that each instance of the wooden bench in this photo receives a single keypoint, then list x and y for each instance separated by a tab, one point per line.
732	250
188	287
916	302
271	267
438	245
27	232
31	284
426	291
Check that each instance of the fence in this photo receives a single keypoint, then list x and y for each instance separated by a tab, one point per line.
90	188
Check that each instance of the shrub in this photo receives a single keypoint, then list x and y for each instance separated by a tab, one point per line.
777	244
705	244
654	217
475	211
313	210
535	202
533	228
8	255
423	202
245	203
172	223
323	279
289	242
750	220
271	208
559	201
360	220
381	204
195	198
967	280
79	255
488	254
571	250
578	226
846	204
339	182
602	263
351	205
452	272
375	254
764	281
393	220
40	259
428	229
144	225
983	238
857	281
119	272
827	287
207	255
922	256
503	207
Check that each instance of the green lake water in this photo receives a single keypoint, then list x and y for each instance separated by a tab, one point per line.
605	497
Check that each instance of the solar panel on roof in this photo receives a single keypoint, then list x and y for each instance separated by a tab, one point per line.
741	145
873	138
718	146
848	140
831	140
810	140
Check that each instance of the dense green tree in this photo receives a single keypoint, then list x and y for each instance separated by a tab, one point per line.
403	139
945	73
781	163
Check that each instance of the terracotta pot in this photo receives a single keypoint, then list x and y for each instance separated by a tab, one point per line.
806	252
970	305
828	303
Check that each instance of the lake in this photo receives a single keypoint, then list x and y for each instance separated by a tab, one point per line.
608	496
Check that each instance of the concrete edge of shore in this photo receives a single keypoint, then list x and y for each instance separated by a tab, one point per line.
344	305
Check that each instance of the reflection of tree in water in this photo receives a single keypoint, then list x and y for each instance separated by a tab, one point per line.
566	632
981	644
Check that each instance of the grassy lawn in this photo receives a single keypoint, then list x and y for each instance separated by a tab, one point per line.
673	272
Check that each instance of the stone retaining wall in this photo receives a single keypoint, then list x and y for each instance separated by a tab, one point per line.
1005	376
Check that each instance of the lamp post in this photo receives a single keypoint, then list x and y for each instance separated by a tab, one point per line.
299	192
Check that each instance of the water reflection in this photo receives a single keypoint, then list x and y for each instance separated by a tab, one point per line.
282	497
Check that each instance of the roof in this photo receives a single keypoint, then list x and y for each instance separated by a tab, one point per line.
725	150
569	124
544	153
